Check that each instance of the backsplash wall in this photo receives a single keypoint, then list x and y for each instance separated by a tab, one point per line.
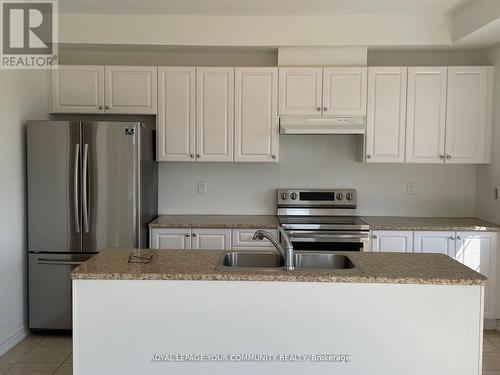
316	161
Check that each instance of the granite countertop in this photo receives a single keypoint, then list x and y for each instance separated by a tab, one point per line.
392	268
215	221
430	223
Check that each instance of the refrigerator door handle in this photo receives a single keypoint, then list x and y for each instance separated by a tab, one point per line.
75	190
60	262
85	187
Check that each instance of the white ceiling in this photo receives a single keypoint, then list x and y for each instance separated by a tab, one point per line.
261	7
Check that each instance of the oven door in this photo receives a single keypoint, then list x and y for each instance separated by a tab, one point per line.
317	240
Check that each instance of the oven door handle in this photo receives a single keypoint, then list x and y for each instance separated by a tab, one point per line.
296	235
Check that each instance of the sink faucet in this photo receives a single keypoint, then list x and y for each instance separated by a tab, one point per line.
285	250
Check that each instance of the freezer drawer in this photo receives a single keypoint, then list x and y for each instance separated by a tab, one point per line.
50	289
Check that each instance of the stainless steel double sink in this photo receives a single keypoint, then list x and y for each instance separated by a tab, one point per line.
267	261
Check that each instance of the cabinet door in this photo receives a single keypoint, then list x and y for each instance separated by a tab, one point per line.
171	239
468	118
78	89
344	91
477	251
392	241
242	239
386	115
300	91
256	115
434	242
131	89
426	114
211	239
214	114
176	114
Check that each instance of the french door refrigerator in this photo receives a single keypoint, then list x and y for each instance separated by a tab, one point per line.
91	185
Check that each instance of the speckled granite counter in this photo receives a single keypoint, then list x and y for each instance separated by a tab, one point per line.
430	223
215	221
393	268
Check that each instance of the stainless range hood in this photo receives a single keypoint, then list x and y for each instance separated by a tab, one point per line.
322	125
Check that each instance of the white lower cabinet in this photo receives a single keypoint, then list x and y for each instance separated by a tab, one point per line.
168	238
434	242
210	239
391	241
243	239
476	250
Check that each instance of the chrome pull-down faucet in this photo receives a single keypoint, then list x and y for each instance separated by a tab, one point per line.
285	250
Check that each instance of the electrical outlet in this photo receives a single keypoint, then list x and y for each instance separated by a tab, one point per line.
202	187
411	188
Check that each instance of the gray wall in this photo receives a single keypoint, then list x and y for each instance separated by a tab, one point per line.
315	162
23	95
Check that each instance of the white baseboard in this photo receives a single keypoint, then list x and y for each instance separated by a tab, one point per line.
13	340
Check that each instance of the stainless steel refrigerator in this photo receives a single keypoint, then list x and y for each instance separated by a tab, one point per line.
91	185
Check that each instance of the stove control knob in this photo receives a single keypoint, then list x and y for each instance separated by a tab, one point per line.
348	196
284	196
293	196
340	196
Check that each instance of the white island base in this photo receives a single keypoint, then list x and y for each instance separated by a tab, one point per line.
383	329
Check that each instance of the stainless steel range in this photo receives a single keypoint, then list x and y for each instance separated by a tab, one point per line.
322	219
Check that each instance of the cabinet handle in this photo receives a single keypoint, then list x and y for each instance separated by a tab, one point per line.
368	156
325	109
101	107
441	157
198	155
448	157
193	235
106	107
187	235
318	109
459	237
452	237
374	237
191	156
273	156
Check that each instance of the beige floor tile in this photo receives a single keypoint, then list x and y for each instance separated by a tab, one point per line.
32	340
4	367
69	359
32	369
64	370
56	340
40	354
15	354
491	361
488	346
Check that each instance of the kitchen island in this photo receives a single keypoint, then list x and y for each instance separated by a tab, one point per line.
394	313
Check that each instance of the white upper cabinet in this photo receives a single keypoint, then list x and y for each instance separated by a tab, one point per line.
78	89
386	114
176	114
130	89
300	91
391	241
344	91
104	89
426	114
215	114
256	134
469	114
434	242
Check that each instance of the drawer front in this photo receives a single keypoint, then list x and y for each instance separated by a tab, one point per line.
243	239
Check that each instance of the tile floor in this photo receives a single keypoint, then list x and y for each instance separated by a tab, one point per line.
50	354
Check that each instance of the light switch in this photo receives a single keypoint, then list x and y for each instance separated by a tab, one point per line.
411	188
202	187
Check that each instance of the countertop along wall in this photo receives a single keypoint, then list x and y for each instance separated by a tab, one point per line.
23	96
